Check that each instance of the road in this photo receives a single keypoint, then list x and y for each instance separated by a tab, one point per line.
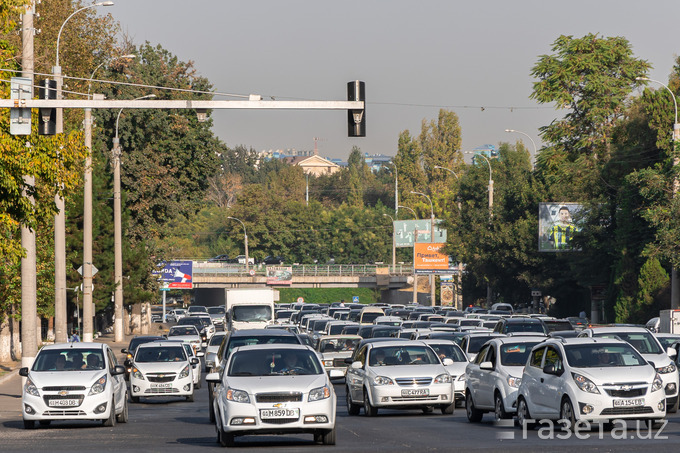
171	424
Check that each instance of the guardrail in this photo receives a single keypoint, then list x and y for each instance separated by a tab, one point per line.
206	268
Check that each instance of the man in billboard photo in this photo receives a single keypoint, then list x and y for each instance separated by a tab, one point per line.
562	232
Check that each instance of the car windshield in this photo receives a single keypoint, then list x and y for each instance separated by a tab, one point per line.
667	342
160	354
368	317
449	351
135	342
251	313
476	343
644	342
603	355
513	327
216	310
516	354
338	344
275	362
69	360
402	355
554	326
247	341
177	331
197	309
216	340
191	321
382	333
350	329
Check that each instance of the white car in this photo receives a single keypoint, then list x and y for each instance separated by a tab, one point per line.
210	357
650	348
334	349
188	334
494	377
398	375
162	368
74	381
195	367
473	342
273	389
590	379
447	349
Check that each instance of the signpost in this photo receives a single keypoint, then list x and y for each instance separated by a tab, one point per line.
404	231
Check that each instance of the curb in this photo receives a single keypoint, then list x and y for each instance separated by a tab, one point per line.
9	376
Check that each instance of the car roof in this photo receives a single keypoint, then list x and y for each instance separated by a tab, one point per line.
75	345
583	340
158	344
344	337
277	346
261	332
618	329
401	342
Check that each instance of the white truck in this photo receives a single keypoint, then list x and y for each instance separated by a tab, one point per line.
669	321
249	308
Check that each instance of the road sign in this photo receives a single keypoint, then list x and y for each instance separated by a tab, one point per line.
177	274
301	300
405	232
355	299
251	272
94	270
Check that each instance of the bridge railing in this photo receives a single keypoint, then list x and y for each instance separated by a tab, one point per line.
206	268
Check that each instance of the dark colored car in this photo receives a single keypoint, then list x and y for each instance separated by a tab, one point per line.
132	347
515	325
198	322
553	325
271	260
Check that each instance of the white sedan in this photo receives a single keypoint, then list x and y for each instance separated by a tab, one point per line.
162	368
399	375
74	381
273	389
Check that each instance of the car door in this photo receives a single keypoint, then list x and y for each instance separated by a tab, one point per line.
473	374
487	379
118	381
551	388
355	376
530	380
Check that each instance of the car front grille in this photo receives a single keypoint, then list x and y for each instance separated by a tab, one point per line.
161	391
414	381
72	388
53	413
280	421
161	378
278	397
48	398
339	362
627	410
627	393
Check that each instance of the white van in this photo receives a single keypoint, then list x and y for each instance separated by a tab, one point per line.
369	314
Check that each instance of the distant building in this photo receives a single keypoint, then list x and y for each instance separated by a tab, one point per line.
377	161
488	151
314	165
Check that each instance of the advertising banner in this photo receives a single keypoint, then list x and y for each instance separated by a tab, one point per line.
557	225
279	275
446	293
429	259
177	274
405	231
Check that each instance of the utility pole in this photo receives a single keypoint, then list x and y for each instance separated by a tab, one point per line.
29	311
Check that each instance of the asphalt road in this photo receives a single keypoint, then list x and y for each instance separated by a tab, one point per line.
171	424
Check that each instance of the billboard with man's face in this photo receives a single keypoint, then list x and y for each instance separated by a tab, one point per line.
557	225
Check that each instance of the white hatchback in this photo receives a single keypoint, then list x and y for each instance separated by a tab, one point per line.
162	368
74	381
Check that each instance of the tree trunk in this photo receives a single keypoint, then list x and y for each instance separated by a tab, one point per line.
5	341
136	323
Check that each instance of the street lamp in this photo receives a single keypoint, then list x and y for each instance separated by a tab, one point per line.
675	278
394	242
447	169
415	216
532	142
490	181
118	232
245	238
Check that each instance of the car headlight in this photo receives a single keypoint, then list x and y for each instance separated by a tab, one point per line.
30	388
462	377
185	372
327	363
238	396
666	369
382	380
320	393
99	386
585	384
514	381
137	374
443	379
657	384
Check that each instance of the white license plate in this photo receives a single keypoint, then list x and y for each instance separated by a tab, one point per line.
64	403
269	414
415	392
629	402
161	385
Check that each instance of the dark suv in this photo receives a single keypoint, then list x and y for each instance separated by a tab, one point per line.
517	325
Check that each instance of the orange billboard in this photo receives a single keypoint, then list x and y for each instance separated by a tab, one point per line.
429	257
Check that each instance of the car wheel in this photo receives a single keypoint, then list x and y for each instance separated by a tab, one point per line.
352	409
123	416
567	413
45	422
225	439
111	421
198	384
369	410
190	398
211	409
523	415
674	409
428	409
448	409
474	415
328	438
499	408
134	399
29	424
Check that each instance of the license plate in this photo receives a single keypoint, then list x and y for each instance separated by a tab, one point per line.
629	402
269	414
161	385
415	392
64	403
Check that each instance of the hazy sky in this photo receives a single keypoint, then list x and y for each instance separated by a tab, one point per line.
472	57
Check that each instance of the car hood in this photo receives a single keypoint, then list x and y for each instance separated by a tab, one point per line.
185	338
660	360
515	371
161	367
615	375
269	384
457	368
336	355
83	378
398	371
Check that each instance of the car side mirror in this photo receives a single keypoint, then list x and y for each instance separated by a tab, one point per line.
356	365
124	351
23	372
118	370
200	354
447	362
486	366
552	369
349	361
194	361
213	378
671	352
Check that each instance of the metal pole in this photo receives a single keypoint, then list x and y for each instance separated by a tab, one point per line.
119	334
88	308
533	159
415	274
164	297
307	189
29	312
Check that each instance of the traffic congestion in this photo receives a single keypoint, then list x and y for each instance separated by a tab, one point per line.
302	366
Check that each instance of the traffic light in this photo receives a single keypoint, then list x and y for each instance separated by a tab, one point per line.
48	116
356	119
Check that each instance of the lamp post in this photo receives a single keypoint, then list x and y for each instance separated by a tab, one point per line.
118	233
675	278
532	142
447	169
88	308
432	289
415	216
394	242
245	238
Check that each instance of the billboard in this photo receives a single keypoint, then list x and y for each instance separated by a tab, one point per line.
177	274
557	225
446	293
405	230
429	259
279	275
